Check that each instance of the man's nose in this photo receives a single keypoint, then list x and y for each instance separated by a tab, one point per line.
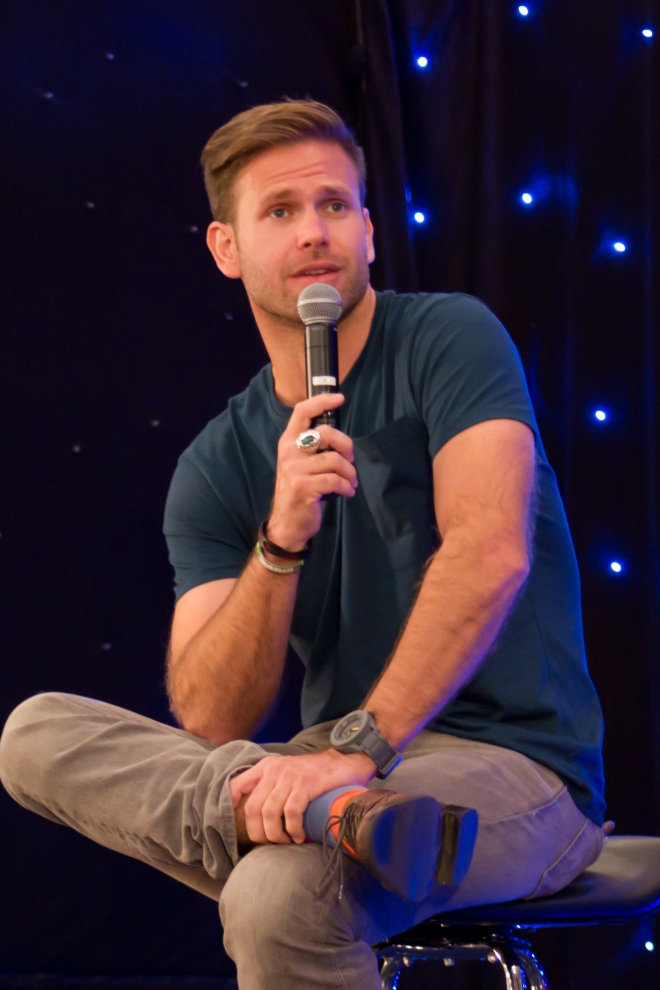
312	230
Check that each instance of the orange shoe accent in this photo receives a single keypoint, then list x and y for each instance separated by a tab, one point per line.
336	809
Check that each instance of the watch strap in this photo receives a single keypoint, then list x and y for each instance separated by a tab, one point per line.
385	757
376	747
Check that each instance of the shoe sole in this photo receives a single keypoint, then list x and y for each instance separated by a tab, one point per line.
416	842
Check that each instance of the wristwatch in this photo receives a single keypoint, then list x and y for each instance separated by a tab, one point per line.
357	732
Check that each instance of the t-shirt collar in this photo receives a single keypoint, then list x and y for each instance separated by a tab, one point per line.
283	411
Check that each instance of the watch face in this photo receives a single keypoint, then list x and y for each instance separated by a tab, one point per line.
349	728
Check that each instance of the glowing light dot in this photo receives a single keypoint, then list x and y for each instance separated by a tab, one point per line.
155	422
523	11
76	448
193	229
527	198
649	946
90	205
619	246
48	96
422	61
616	567
600	415
110	56
419	217
648	33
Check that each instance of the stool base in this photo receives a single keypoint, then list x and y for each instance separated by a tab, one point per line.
519	965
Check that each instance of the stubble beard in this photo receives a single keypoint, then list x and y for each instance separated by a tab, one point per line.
264	292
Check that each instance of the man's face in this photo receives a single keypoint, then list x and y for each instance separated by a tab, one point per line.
298	220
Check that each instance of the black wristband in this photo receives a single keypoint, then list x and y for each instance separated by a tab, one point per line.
280	551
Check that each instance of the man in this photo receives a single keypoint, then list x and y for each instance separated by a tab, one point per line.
439	592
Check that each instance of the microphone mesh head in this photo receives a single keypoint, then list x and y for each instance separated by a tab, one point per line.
318	303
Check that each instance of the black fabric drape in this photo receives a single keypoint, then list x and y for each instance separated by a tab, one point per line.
562	106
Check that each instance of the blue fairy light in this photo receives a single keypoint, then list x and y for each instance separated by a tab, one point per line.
422	61
600	415
619	247
648	33
527	198
419	217
523	11
649	946
616	566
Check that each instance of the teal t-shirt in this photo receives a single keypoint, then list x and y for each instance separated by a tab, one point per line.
433	365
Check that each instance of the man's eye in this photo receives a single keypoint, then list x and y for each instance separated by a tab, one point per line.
278	212
336	207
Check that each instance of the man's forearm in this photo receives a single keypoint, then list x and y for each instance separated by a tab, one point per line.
464	599
226	678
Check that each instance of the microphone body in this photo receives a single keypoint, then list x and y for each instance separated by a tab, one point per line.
322	364
319	307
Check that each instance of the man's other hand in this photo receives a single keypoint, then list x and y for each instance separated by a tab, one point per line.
303	479
281	787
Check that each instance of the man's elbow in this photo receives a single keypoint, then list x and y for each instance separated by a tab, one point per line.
511	568
206	725
197	717
184	705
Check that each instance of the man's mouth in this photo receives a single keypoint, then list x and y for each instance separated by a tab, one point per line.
316	270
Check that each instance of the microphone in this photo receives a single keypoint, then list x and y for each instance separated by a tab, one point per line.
319	307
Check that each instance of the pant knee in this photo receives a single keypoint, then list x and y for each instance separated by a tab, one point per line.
17	739
282	929
272	899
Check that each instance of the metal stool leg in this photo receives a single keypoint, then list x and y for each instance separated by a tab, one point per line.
389	973
534	975
515	957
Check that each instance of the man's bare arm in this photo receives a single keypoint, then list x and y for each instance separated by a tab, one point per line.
224	669
226	677
483	480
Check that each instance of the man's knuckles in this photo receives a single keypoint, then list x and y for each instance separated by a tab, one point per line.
333	461
314	405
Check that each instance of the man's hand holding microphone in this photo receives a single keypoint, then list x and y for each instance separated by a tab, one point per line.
314	458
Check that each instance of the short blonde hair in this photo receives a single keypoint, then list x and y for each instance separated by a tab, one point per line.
270	125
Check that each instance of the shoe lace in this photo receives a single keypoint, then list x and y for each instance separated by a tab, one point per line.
348	823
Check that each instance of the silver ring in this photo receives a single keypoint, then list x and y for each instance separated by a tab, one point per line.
309	441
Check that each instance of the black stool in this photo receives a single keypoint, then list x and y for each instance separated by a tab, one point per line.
623	883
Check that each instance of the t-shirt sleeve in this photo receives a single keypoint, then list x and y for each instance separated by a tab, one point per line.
466	370
204	541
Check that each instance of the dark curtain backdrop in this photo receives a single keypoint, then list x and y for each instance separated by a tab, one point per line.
120	340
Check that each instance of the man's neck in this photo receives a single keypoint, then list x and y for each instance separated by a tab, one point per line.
286	347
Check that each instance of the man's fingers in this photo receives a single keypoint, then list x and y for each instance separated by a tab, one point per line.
326	484
331	462
282	814
242	784
336	440
272	814
263	813
293	816
307	410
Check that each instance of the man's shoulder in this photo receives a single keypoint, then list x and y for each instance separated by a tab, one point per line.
421	309
219	437
457	325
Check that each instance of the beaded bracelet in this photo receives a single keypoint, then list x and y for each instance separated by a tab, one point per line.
275	568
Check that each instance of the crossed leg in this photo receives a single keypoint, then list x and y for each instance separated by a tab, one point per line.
162	795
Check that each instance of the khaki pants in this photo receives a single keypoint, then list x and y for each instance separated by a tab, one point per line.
161	795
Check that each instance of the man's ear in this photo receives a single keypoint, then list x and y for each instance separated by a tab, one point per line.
371	251
221	241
